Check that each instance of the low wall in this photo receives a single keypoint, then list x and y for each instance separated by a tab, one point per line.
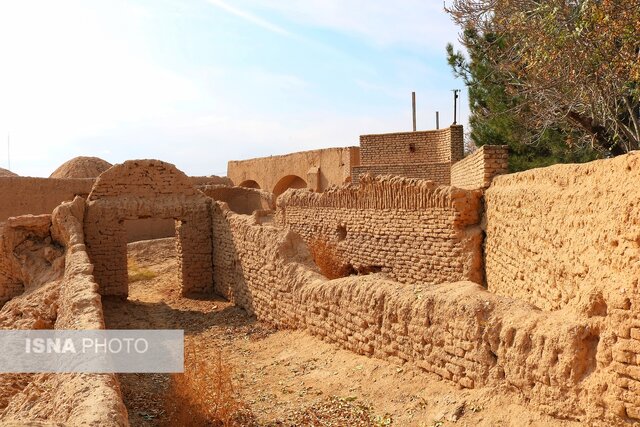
437	172
412	230
25	195
478	169
458	331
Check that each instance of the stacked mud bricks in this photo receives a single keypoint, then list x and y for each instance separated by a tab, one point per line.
424	154
147	189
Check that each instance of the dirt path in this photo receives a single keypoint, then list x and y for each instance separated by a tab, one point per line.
288	377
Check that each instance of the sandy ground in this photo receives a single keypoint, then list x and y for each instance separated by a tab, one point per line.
289	377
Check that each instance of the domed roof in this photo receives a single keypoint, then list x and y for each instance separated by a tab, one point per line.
5	173
81	167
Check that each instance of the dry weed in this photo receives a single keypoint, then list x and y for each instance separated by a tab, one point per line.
204	395
137	273
326	257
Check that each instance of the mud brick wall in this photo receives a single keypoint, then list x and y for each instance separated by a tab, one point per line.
458	331
424	154
478	169
437	172
79	399
412	230
567	237
320	169
36	196
558	234
241	200
14	234
147	189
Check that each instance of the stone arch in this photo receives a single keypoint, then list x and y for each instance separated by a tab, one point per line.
250	184
289	181
139	189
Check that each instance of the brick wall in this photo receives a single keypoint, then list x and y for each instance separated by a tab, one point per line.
478	169
412	230
423	154
567	238
436	172
431	146
36	196
458	331
147	189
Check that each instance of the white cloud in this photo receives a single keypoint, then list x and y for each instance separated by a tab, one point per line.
418	23
254	19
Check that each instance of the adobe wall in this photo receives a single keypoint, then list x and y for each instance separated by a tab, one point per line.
73	304
458	331
424	154
25	195
557	234
147	189
478	169
240	199
320	169
412	230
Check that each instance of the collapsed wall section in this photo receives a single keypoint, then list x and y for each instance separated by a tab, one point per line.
457	331
412	230
70	303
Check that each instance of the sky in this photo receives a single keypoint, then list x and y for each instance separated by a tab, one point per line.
200	82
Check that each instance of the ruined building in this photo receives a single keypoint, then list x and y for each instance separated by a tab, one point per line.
528	279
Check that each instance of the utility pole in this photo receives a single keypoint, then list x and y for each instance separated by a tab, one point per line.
455	105
413	105
437	119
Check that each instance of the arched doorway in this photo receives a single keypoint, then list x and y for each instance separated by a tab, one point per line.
289	181
139	189
249	184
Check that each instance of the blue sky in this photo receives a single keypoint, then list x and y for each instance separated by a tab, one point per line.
201	82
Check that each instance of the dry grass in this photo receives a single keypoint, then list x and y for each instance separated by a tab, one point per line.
205	395
326	257
137	273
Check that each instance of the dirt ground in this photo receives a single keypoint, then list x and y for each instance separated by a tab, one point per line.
290	378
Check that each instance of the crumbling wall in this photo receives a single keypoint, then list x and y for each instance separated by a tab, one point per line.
424	154
458	331
567	237
36	196
412	230
147	189
28	258
478	169
71	303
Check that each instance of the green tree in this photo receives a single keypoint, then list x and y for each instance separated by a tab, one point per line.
569	64
494	119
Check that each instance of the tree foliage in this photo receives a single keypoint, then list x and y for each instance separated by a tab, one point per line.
568	63
493	119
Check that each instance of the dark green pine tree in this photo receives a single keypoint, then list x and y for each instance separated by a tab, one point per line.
494	119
